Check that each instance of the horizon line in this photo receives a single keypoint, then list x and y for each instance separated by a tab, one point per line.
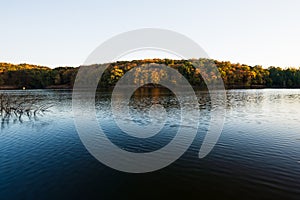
139	59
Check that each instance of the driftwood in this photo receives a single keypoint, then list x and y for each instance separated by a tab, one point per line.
18	106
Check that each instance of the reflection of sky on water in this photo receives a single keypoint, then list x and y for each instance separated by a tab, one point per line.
257	154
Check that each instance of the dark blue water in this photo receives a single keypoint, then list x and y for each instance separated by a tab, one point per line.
256	157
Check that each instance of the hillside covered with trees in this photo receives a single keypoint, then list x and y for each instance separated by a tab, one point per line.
235	75
35	77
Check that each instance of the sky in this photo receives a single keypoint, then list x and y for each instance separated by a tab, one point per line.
64	33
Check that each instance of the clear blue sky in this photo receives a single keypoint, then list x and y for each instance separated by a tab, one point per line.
64	33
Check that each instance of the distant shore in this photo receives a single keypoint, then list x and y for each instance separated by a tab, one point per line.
234	75
12	87
68	87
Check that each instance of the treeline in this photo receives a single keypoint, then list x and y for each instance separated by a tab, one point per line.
234	75
35	77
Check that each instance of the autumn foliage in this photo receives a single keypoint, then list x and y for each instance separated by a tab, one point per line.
234	75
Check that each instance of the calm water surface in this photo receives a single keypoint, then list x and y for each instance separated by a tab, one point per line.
257	155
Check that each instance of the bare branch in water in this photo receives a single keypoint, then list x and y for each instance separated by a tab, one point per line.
18	106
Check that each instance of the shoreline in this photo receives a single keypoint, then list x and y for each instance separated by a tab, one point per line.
67	87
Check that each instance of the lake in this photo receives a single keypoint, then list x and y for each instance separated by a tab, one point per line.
256	157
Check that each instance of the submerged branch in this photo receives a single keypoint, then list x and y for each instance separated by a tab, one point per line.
18	106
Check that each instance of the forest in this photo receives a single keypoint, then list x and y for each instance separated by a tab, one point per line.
234	75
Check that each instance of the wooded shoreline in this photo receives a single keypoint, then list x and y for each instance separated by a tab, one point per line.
234	75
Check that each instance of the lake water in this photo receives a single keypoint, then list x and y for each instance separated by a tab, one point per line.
257	155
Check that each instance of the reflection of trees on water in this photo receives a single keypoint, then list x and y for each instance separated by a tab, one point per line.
144	97
15	108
